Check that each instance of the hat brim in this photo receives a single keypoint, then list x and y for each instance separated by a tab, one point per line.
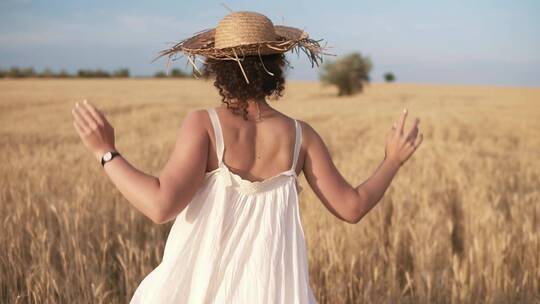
287	38
205	40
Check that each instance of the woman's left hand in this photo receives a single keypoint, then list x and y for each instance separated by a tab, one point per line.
95	131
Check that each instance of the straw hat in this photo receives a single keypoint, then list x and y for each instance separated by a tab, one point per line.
245	33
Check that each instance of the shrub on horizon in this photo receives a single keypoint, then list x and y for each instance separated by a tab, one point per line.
349	73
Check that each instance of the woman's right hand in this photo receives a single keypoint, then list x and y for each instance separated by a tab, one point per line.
400	145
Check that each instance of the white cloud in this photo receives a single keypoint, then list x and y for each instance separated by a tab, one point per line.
122	30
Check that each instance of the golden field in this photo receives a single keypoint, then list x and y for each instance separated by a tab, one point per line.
459	224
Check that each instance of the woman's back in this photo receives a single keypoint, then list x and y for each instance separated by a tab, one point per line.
255	149
239	240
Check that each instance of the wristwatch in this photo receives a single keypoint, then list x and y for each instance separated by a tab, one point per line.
108	156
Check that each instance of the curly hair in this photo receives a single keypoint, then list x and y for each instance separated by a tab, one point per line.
234	90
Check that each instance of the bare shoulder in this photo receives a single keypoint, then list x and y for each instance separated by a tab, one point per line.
197	114
314	148
309	134
196	120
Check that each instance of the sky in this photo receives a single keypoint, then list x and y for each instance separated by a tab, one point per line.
455	42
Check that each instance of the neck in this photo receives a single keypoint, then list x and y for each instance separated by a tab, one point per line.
256	106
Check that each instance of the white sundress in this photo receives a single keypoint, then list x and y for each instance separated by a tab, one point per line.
237	241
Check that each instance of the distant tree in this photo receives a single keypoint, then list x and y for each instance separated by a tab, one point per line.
63	74
160	74
349	73
389	77
177	73
93	73
46	73
102	73
174	73
122	73
83	73
16	72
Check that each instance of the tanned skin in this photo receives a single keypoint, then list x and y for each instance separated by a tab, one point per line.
254	150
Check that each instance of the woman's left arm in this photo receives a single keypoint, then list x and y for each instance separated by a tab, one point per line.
159	198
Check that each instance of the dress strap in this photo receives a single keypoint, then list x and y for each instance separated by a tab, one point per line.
218	134
297	143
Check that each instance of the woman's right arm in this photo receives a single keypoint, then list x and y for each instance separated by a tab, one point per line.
345	201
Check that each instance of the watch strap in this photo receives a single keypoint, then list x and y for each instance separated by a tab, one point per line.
113	155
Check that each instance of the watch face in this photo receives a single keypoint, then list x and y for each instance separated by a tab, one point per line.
107	156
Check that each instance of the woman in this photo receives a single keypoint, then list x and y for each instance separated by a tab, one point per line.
231	182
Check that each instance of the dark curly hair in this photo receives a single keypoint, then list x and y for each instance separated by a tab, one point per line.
232	86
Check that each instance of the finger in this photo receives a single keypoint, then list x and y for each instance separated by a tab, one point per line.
90	121
413	131
80	130
418	141
412	136
93	112
401	123
84	129
393	128
79	118
101	115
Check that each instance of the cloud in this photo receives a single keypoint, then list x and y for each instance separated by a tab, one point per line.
122	30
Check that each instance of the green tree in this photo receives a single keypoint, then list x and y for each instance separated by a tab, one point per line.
46	73
349	73
160	74
16	72
177	73
389	77
63	74
122	73
99	73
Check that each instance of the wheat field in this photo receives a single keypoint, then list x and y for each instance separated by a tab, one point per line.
459	224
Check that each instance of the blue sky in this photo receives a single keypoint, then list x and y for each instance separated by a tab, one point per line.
469	42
